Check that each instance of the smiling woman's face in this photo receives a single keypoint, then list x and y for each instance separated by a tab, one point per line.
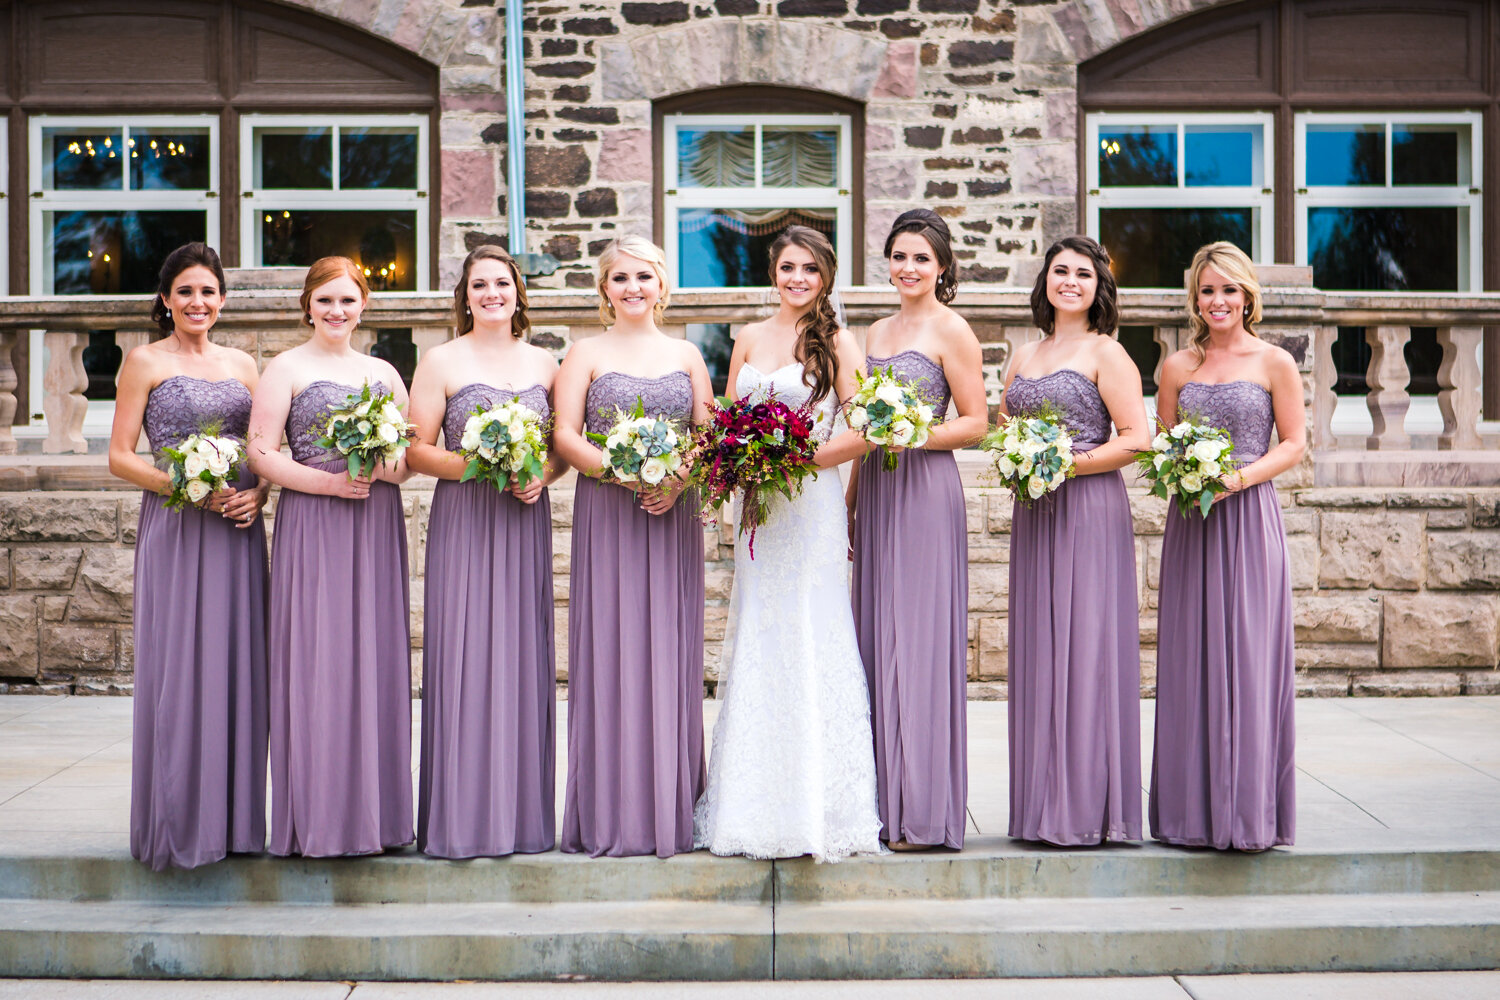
632	287
1072	282
1221	302
335	307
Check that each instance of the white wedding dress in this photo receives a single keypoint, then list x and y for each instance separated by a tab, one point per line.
792	769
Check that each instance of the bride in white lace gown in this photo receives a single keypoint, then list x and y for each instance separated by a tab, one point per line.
792	769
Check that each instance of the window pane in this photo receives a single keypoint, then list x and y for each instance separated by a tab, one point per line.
716	346
107	252
169	159
1222	155
806	157
730	248
294	158
377	158
382	242
1428	154
1152	247
1345	155
81	159
1140	343
1384	249
1138	156
394	344
716	157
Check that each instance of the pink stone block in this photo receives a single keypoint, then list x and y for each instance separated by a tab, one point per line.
625	155
469	184
898	76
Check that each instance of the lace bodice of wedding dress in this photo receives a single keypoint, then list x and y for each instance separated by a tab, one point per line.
792	770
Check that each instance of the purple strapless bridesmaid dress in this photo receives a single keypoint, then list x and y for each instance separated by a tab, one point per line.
1222	774
340	658
489	670
911	609
635	652
198	758
1074	657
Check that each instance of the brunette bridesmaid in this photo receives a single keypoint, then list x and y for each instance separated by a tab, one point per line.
340	651
1074	646
1222	774
911	579
198	758
635	605
489	671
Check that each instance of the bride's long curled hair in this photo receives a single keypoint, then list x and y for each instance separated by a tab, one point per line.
819	326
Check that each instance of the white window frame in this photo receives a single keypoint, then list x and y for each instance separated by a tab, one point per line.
1260	199
253	199
1468	197
677	198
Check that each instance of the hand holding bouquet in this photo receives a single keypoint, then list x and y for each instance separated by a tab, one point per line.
505	445
759	447
1188	462
889	412
1033	453
369	429
639	449
200	465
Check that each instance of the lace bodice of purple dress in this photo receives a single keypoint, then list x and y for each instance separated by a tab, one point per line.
308	412
1241	408
461	406
914	366
669	395
1084	413
182	405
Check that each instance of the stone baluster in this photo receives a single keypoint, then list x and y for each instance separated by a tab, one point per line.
1324	399
1388	377
63	383
8	384
1459	396
127	341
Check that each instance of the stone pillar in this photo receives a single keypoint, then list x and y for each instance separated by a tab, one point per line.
63	383
1324	375
8	384
127	341
1388	377
1459	396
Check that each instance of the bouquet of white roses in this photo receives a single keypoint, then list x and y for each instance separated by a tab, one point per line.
639	448
200	464
369	429
1188	462
1033	453
505	444
888	411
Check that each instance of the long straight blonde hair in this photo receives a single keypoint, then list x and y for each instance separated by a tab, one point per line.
1230	261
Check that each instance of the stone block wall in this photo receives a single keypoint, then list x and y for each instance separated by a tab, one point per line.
1396	591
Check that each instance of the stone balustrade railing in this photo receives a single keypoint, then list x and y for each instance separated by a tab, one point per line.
1303	319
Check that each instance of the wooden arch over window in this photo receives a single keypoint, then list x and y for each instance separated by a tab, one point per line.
218	57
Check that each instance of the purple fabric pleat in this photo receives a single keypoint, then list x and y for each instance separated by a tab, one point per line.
198	758
486	784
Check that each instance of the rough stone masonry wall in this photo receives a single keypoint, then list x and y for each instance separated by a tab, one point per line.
1397	591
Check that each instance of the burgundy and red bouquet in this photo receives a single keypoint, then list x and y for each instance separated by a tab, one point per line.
756	447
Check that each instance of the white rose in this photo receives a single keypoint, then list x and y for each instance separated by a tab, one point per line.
1057	479
920	437
218	464
1160	460
1160	442
613	441
205	447
1011	442
1203	451
1035	487
363	427
875	435
1024	465
902	431
194	465
653	470
858	417
230	448
1192	483
391	412
673	461
363	409
1210	470
516	430
388	434
890	392
1006	467
1181	429
487	453
197	490
640	447
470	440
924	413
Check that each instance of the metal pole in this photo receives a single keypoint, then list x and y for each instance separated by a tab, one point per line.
515	129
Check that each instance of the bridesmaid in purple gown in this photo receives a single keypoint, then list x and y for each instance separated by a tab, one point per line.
635	604
1222	773
489	673
1074	648
198	758
910	540
340	652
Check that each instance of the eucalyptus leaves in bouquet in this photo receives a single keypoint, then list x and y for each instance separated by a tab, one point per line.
1032	453
1188	463
639	448
505	445
368	429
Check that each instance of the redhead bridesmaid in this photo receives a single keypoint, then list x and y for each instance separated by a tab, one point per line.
635	604
1074	648
489	670
198	758
1222	774
340	651
911	574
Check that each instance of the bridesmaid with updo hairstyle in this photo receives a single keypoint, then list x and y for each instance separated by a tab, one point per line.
635	604
910	540
198	756
1223	774
340	652
1074	644
489	670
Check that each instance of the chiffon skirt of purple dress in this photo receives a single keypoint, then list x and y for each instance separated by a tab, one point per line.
635	676
489	676
1222	774
340	668
198	759
911	608
1074	668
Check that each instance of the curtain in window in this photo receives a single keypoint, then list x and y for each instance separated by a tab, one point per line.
718	158
790	158
758	222
800	158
